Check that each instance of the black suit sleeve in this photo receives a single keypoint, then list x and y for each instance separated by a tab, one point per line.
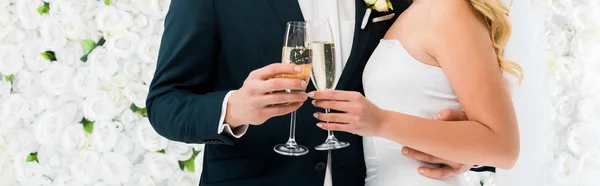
182	104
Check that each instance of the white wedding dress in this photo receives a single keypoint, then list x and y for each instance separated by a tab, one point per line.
394	80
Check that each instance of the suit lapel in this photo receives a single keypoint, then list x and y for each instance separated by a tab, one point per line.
287	10
359	45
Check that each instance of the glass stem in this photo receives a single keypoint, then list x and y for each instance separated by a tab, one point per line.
292	140
330	135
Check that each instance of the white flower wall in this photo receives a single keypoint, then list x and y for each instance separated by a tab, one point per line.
74	76
573	61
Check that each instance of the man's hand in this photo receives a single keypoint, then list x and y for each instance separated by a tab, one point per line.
253	102
447	168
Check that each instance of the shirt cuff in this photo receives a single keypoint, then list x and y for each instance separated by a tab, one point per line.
237	132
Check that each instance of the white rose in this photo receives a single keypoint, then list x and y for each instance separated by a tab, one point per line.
381	6
27	170
142	25
184	179
132	70
160	6
21	142
370	2
472	178
585	45
148	49
38	104
70	55
115	95
160	166
26	10
5	89
48	128
584	16
104	137
85	83
52	159
115	169
12	34
136	93
111	19
180	151
129	120
139	178
587	173
32	51
582	136
14	110
8	176
56	78
76	27
564	167
562	7
148	137
127	147
84	166
148	73
103	63
556	42
53	33
69	112
587	109
74	6
565	106
11	60
74	138
122	44
65	179
99	108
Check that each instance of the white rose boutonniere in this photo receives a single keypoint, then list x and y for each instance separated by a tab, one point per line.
377	5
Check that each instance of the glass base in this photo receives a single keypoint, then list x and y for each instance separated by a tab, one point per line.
332	144
291	149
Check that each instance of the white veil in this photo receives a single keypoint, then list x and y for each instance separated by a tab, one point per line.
526	48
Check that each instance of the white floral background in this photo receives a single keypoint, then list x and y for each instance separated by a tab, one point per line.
74	75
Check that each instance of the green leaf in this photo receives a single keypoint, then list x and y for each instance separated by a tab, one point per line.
9	78
49	55
190	163
101	42
389	3
107	2
88	126
44	9
32	157
162	151
182	165
88	45
480	182
138	110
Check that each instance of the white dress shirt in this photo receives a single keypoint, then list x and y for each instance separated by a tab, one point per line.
341	14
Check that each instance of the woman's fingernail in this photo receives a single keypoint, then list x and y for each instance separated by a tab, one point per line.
436	117
405	151
316	115
311	94
314	102
298	69
422	170
319	125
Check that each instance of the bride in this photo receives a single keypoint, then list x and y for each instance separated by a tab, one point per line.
437	55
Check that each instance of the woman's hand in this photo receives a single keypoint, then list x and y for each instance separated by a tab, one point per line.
359	116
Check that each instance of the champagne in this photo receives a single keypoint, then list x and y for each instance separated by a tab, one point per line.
323	66
300	56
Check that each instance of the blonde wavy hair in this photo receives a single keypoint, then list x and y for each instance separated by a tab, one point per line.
495	14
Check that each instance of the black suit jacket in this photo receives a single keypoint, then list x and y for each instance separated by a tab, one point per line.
208	48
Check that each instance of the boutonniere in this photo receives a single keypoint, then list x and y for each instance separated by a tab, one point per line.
377	5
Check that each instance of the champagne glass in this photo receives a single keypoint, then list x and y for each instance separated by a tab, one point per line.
324	70
296	50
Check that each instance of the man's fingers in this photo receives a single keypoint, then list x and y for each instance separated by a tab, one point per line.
278	84
420	156
437	173
273	70
282	97
281	110
451	115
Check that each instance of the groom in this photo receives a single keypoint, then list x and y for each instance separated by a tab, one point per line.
214	79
